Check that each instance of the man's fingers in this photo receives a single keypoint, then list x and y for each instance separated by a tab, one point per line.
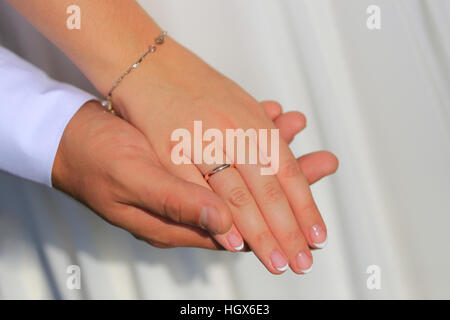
231	240
189	196
160	232
273	109
167	234
317	165
155	190
290	123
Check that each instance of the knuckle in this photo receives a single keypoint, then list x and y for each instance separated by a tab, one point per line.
159	245
239	197
290	169
137	237
263	238
158	239
275	105
302	119
256	108
292	236
172	208
272	191
308	208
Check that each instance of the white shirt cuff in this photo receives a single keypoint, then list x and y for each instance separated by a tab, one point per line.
34	112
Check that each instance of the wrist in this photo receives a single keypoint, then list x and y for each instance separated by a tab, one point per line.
171	72
71	140
111	59
150	76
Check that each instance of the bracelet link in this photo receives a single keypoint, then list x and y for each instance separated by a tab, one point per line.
152	48
161	38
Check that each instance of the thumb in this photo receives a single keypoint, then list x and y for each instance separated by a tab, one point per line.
181	201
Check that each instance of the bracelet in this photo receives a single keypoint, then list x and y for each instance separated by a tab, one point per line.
107	101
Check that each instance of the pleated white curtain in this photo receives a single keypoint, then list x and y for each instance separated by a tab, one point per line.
379	99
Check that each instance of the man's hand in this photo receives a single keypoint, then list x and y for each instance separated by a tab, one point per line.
109	165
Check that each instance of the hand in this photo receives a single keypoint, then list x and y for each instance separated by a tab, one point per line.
275	214
97	160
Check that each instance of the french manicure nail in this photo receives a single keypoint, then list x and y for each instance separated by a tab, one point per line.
278	261
210	219
304	262
235	241
318	236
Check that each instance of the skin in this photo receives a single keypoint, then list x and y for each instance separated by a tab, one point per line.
276	215
96	147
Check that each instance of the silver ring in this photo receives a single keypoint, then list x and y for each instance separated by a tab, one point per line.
208	175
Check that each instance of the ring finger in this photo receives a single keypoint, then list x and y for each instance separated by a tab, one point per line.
247	217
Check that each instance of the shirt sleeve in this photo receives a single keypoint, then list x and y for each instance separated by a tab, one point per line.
34	111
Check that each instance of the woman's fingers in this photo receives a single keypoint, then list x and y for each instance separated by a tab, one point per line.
315	166
248	218
296	188
254	197
176	199
231	240
279	217
163	233
294	181
230	186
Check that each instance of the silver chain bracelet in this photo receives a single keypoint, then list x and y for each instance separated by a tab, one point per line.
107	101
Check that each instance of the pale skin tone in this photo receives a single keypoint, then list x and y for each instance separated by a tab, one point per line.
97	147
275	215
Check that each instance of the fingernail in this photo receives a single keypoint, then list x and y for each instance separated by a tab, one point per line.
318	236
278	261
235	241
304	262
210	220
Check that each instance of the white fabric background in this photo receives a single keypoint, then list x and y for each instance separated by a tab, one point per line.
379	99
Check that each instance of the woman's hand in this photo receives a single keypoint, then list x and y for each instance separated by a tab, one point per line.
97	160
276	214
